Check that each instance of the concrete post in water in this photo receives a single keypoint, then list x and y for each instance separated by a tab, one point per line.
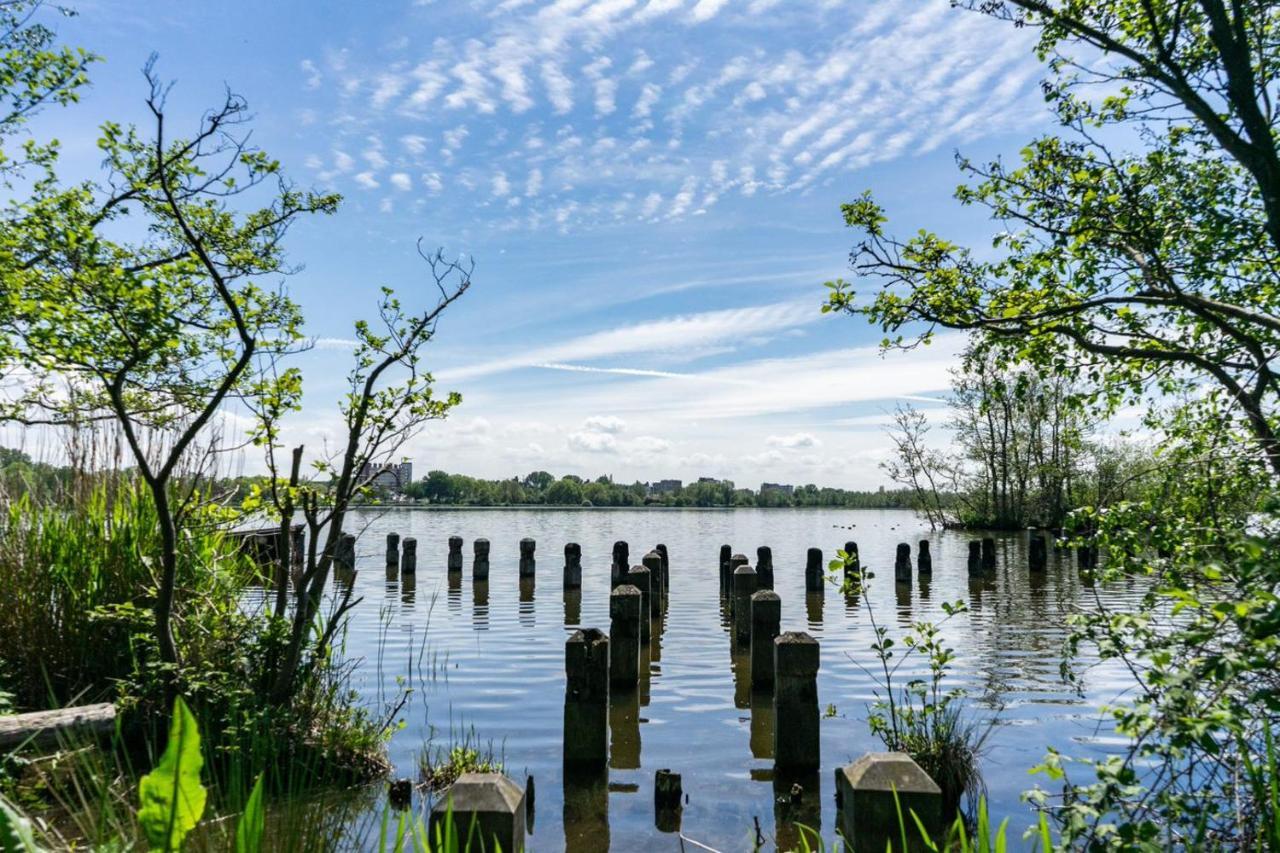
408	555
346	556
795	702
586	699
621	562
726	554
813	571
493	802
455	554
870	792
653	562
624	636
924	560
902	564
666	569
764	567
975	557
639	577
480	561
526	557
393	550
988	553
766	617
744	586
572	566
668	801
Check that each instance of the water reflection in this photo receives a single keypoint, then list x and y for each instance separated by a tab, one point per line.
572	608
528	613
624	729
480	605
586	811
408	588
813	610
762	722
797	810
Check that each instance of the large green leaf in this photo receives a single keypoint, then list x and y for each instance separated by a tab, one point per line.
16	834
172	796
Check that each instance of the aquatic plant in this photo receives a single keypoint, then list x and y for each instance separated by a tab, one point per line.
440	766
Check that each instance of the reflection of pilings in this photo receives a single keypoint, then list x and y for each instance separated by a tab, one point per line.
455	555
454	594
586	699
527	614
744	586
795	701
586	810
393	551
480	605
902	564
624	727
924	560
480	560
764	567
762	721
975	557
653	562
813	571
624	635
1037	552
638	576
572	566
766	617
740	662
408	586
902	597
813	608
797	809
621	562
572	607
527	546
668	801
988	553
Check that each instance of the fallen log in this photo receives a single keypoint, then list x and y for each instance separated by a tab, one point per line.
46	726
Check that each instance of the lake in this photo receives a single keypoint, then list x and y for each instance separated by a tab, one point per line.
492	659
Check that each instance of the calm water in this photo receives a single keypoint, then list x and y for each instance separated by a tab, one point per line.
493	659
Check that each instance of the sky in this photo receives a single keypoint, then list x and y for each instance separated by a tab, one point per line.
650	190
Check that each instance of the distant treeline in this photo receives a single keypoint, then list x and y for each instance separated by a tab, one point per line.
543	488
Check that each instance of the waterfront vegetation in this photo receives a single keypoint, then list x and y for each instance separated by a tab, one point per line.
1134	267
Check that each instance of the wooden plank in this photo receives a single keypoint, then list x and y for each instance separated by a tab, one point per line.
44	726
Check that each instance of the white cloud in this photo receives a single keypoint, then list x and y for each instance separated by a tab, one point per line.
367	181
533	184
793	442
604	423
432	183
401	181
705	10
414	143
500	185
592	442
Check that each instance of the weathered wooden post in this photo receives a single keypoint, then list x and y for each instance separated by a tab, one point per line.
736	562
975	557
988	553
902	564
766	619
480	560
393	551
586	699
795	702
853	564
624	636
346	556
621	562
871	793
666	570
744	586
813	571
491	803
726	554
639	577
526	557
653	562
764	567
924	560
572	566
454	563
408	555
668	801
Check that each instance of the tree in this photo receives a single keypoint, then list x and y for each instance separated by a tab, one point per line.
159	333
916	465
1151	270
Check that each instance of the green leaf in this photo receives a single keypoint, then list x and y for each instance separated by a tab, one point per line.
252	823
172	796
16	834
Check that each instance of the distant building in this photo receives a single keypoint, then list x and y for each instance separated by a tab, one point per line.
707	480
392	478
776	487
665	487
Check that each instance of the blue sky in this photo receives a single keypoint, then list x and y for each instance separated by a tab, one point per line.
650	190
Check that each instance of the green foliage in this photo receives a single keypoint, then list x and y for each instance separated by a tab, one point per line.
172	795
253	822
440	766
16	832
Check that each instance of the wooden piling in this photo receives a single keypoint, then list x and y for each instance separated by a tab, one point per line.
586	700
796	744
480	560
766	620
